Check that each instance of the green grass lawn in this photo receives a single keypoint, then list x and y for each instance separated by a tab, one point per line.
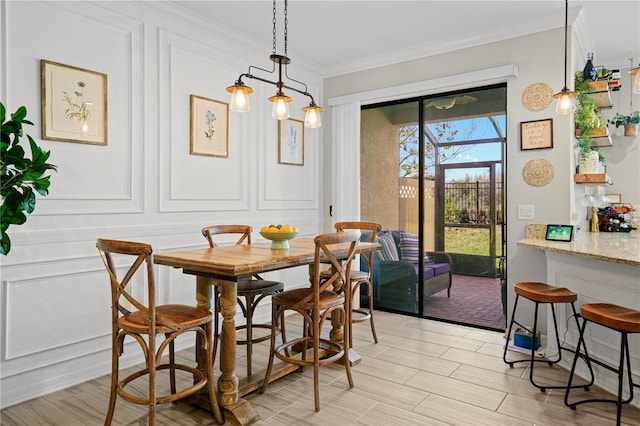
473	241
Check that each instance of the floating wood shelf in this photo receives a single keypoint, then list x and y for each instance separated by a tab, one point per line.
600	93
592	178
599	136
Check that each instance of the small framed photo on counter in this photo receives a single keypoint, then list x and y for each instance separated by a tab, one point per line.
536	134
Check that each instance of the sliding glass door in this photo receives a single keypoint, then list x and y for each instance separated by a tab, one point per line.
431	170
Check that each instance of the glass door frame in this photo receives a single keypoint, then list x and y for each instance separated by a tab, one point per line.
440	224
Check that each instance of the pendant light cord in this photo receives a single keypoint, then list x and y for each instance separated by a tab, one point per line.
286	21
566	23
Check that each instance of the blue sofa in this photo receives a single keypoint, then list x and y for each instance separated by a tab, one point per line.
395	282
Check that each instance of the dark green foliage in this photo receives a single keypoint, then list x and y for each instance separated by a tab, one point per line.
21	177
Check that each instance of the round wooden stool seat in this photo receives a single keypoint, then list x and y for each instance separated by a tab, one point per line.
612	316
545	293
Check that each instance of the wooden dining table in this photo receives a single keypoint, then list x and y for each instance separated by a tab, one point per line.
226	266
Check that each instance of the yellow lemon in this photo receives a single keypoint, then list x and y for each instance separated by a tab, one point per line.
273	229
264	229
285	228
294	229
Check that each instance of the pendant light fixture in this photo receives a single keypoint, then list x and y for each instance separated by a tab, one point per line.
635	73
240	93
565	96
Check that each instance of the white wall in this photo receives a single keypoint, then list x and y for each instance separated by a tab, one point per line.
144	185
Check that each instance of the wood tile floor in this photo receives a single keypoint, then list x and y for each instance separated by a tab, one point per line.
421	373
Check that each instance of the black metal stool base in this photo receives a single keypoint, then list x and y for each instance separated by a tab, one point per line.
624	354
531	360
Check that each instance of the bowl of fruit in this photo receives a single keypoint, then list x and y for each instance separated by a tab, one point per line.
279	235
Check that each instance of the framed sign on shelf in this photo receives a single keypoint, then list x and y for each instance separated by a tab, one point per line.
291	142
209	127
74	104
536	134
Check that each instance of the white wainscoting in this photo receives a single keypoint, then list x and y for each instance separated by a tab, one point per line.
142	186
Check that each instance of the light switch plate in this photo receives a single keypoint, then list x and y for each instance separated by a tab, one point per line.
525	212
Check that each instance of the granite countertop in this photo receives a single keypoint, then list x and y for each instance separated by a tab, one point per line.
617	247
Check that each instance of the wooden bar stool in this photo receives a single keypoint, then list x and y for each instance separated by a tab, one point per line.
619	319
544	293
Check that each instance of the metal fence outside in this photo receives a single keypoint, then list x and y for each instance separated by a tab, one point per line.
469	203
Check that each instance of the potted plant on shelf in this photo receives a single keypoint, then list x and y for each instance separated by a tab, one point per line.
589	124
630	122
20	176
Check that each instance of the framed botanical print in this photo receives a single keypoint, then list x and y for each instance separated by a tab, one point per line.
291	142
74	104
209	127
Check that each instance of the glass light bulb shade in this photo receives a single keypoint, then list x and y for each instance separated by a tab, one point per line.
313	119
239	97
280	109
566	103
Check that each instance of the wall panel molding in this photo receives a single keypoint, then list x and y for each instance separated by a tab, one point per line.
86	186
191	182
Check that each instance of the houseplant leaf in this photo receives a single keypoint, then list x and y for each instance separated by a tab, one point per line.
21	177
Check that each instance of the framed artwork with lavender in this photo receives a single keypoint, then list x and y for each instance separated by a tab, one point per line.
291	142
209	127
74	104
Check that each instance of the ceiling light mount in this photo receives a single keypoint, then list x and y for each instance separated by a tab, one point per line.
239	91
565	96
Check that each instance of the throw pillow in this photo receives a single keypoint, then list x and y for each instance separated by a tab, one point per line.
389	250
409	247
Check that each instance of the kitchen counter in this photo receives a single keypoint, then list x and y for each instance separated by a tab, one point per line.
617	247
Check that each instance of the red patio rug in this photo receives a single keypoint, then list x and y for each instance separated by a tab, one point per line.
474	301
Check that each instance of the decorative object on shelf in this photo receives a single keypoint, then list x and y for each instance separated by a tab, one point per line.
565	96
209	127
291	142
22	177
239	92
590	164
594	220
537	96
74	104
589	72
538	172
536	134
631	121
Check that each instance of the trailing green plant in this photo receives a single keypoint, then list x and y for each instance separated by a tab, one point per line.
21	177
586	116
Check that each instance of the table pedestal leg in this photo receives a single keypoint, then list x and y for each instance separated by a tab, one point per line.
240	410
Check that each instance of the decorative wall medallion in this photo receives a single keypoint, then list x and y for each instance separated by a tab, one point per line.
538	172
537	96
